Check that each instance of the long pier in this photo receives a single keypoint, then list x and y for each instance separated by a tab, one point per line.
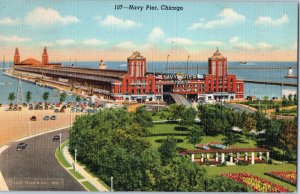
271	83
249	67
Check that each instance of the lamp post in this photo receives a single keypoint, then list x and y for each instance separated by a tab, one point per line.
29	128
60	141
187	65
75	159
111	183
168	63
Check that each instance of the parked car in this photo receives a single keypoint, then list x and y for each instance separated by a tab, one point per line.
56	110
56	138
19	108
15	108
33	118
62	110
53	117
21	146
46	118
31	108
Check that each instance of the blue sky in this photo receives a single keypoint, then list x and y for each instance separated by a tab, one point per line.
90	29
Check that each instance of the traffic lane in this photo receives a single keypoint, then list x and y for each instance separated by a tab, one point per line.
36	168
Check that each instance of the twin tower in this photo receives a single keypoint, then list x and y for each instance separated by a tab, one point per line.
44	57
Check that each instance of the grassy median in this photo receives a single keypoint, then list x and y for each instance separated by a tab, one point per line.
61	159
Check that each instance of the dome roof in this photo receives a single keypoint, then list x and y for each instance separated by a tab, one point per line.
217	55
136	55
30	61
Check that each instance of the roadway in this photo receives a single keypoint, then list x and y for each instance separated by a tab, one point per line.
36	168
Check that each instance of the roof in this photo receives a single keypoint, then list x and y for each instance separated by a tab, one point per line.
30	61
232	150
136	55
217	55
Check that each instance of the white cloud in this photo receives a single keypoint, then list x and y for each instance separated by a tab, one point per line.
111	20
93	42
126	45
213	43
227	17
264	45
234	39
156	34
264	20
180	41
8	21
244	46
48	16
64	42
4	38
46	44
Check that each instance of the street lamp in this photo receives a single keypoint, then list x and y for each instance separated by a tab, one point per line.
168	63
29	128
60	141
111	183
75	159
187	64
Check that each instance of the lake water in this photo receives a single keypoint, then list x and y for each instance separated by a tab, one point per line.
8	84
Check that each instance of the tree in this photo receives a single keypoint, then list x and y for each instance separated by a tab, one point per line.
290	98
195	135
176	111
288	137
214	120
250	124
221	184
28	97
284	101
271	136
265	99
181	175
63	97
78	99
231	138
45	97
188	117
295	99
11	97
143	117
262	122
167	150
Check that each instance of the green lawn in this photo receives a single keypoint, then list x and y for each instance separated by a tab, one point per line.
89	186
256	169
60	157
164	128
76	174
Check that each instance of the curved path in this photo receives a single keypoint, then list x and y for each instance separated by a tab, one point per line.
36	168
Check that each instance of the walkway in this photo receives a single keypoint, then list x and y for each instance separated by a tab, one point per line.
3	185
180	99
80	169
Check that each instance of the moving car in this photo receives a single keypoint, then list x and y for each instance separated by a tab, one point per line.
46	118
21	146
56	138
33	118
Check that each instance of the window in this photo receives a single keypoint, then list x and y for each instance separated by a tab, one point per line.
138	69
213	68
132	68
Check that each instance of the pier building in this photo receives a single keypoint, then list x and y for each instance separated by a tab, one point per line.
135	83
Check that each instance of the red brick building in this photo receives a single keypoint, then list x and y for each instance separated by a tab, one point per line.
216	85
136	83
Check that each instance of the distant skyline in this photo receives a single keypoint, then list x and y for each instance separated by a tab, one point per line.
90	30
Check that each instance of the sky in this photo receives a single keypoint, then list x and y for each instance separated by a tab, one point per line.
90	30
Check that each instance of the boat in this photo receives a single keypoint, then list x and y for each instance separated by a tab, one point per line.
243	62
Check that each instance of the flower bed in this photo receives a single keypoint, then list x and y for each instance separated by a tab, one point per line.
286	176
255	183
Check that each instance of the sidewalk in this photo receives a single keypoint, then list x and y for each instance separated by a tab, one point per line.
80	169
3	186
